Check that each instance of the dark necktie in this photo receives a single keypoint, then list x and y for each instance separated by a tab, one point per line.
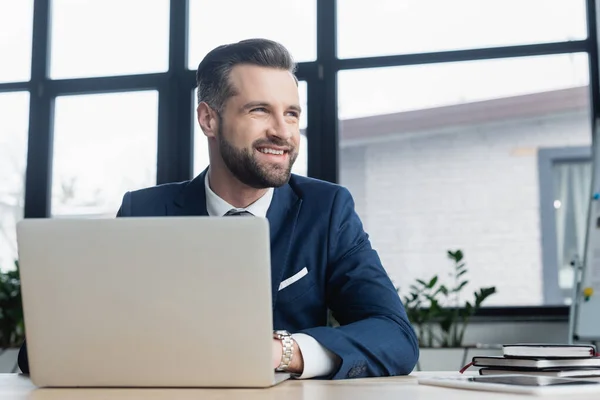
238	213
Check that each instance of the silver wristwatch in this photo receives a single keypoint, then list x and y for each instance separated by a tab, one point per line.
288	350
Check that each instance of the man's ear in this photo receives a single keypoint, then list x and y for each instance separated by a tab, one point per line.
208	119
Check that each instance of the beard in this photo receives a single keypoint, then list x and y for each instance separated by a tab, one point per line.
244	165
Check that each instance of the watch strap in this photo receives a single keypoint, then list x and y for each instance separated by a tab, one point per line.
287	353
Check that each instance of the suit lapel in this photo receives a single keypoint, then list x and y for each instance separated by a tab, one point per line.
282	216
191	200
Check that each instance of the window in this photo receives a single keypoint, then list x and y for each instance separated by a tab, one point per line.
290	22
201	159
565	177
16	20
108	37
104	145
14	125
571	184
444	157
386	27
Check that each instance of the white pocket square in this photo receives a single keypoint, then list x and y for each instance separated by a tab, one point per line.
294	278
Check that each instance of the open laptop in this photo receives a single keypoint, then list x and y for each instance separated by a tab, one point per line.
148	302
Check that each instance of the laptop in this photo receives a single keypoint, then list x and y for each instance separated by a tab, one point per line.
148	302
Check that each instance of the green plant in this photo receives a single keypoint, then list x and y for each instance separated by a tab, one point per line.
431	303
12	332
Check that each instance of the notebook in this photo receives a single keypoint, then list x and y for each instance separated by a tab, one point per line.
548	350
559	373
535	363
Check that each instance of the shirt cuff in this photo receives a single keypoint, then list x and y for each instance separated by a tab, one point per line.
318	361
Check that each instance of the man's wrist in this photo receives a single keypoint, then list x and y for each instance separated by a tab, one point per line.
287	349
287	354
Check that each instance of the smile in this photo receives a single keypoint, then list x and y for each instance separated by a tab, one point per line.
271	151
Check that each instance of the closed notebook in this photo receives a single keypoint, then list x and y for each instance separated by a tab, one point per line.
560	373
536	363
537	350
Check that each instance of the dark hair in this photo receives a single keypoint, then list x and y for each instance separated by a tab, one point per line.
212	76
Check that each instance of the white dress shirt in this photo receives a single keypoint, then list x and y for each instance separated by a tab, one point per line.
318	361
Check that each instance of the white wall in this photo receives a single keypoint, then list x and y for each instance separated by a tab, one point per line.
474	188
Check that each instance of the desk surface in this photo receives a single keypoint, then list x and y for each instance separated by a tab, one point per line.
18	387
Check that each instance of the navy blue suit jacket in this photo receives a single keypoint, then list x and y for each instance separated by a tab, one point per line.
313	224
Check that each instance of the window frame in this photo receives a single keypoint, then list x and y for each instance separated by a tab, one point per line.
175	130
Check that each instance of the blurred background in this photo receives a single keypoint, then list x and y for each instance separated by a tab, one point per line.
456	124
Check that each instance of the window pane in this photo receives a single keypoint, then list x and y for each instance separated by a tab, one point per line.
201	160
571	184
386	27
369	92
290	22
104	145
16	20
109	37
444	157
14	125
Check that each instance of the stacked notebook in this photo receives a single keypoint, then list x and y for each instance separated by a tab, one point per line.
542	359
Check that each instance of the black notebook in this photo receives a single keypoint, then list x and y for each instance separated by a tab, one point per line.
559	373
544	350
536	363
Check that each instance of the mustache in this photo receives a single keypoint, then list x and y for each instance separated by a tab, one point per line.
274	142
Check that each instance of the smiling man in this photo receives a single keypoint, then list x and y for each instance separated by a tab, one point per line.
322	260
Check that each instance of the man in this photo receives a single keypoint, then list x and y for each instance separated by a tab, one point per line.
248	108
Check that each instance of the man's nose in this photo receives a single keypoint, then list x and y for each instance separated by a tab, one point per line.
280	128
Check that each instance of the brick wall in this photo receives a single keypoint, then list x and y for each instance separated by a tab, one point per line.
473	188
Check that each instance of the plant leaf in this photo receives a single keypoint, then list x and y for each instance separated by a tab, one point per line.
443	289
432	282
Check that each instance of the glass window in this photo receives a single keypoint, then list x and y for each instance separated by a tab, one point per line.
571	184
444	157
104	146
14	125
108	37
201	159
290	22
386	27
16	21
366	92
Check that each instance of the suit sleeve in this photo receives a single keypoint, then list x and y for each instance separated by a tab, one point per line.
125	208
375	337
22	359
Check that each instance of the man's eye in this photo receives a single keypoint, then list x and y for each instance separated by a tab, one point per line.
259	109
294	114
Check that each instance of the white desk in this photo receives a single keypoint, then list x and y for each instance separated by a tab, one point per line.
18	387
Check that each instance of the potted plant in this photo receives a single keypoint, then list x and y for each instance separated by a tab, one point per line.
12	331
434	308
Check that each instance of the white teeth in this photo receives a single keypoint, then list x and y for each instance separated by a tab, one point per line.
271	151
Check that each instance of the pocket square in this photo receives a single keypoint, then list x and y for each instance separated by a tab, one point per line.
294	278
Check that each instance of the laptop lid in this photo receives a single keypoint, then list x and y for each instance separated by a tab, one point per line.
147	302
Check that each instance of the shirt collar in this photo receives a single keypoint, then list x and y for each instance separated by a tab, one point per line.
217	207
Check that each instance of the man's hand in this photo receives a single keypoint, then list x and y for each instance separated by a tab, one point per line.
297	364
